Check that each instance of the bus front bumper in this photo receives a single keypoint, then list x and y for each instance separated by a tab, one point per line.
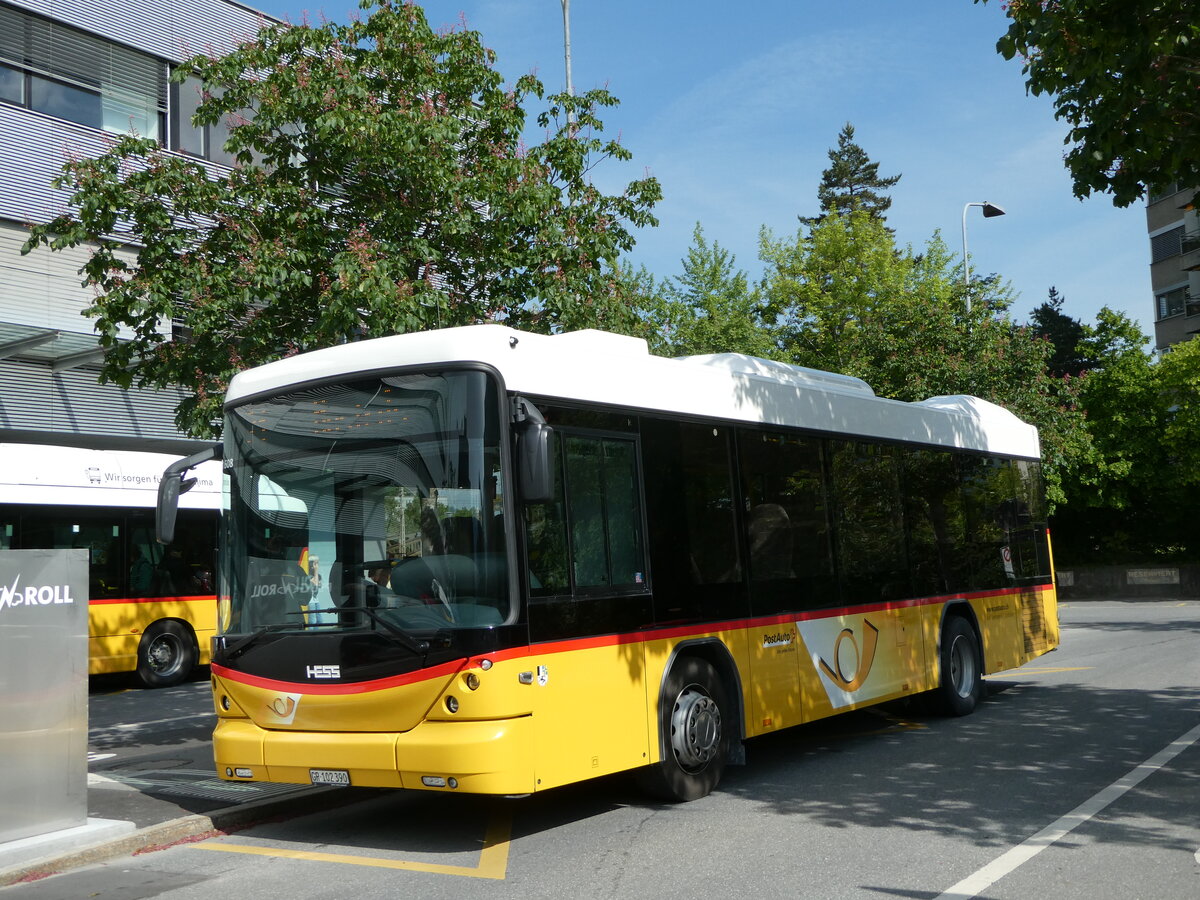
492	756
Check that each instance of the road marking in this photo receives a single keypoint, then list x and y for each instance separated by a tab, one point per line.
1040	670
493	858
975	884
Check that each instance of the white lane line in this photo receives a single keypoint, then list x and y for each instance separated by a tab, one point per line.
973	885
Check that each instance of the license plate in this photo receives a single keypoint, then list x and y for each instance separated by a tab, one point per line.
329	776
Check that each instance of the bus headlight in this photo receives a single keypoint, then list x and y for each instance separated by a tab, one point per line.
452	704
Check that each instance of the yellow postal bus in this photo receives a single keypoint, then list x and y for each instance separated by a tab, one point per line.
548	558
151	609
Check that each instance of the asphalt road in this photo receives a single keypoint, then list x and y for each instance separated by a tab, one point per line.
1078	777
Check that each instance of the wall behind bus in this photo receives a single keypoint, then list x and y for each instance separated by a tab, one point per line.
1181	582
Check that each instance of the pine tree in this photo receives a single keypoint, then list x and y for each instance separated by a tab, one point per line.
1064	333
852	181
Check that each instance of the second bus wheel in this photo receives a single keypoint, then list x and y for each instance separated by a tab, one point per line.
166	654
693	718
961	683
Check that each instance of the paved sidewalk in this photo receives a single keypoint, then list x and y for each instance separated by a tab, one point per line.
156	802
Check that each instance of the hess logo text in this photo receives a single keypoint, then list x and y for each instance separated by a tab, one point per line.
324	671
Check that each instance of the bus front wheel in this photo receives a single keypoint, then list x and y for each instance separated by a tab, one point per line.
693	718
166	654
961	684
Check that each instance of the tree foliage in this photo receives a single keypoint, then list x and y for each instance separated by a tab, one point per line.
1137	502
383	185
1125	76
710	307
852	181
1065	334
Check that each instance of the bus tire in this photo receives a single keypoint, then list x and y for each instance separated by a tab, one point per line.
694	722
961	681
166	654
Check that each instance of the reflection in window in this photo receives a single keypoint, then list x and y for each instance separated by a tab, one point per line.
12	85
605	521
64	101
870	534
935	521
596	503
787	528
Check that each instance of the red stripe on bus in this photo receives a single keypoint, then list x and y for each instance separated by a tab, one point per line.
608	640
100	601
360	687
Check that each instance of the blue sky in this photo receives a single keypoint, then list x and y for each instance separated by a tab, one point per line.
733	107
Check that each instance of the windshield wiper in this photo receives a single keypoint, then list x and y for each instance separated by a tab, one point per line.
421	648
244	643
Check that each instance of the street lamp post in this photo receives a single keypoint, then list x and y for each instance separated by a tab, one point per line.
566	8
990	210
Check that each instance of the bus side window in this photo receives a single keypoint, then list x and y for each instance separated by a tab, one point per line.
546	538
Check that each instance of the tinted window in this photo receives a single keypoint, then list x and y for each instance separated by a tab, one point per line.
692	517
935	521
786	522
587	570
988	491
870	534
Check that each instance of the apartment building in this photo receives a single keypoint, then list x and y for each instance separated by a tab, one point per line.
1174	229
72	74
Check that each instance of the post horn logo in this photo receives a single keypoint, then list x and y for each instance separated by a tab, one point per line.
284	707
864	658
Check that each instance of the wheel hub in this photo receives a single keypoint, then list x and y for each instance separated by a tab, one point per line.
695	728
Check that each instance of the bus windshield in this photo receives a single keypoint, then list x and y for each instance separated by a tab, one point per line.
371	504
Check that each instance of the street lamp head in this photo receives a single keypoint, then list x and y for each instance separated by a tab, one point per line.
991	210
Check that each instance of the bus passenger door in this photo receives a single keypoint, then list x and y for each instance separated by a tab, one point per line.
589	596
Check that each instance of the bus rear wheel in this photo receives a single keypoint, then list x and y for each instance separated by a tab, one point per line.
961	684
166	654
693	718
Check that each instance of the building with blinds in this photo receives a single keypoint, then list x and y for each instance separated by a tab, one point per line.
73	73
1174	228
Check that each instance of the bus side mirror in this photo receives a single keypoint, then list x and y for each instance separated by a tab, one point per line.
171	485
535	471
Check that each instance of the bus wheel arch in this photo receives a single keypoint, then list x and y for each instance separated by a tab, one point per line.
699	721
960	663
167	653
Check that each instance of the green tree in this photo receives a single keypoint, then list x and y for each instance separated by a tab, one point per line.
1125	75
852	181
383	185
1136	501
848	300
1065	334
710	308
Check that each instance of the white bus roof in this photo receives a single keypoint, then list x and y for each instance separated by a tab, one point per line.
615	370
72	476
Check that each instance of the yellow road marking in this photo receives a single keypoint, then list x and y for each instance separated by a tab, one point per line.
493	858
1041	670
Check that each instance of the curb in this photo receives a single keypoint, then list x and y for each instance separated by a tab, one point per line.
187	829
